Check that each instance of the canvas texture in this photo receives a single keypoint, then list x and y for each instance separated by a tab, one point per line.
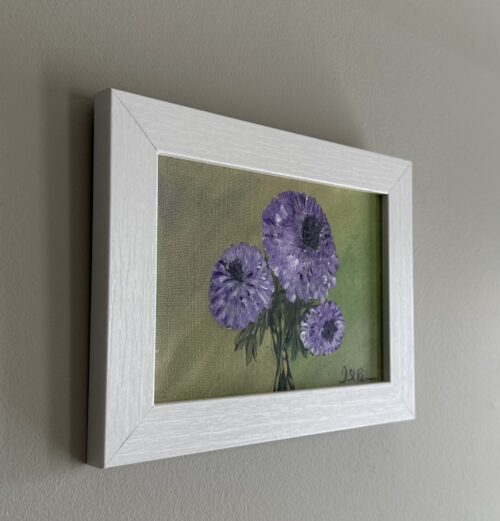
202	210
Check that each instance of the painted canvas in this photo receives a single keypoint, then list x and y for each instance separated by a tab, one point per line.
264	283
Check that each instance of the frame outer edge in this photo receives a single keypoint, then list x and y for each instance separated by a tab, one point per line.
409	396
100	281
401	307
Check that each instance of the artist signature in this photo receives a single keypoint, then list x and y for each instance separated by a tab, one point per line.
355	376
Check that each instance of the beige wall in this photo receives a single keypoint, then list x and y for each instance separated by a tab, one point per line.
418	80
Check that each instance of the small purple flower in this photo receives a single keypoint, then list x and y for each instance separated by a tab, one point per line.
241	287
299	244
322	330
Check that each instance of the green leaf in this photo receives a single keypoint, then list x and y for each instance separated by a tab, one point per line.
252	336
294	313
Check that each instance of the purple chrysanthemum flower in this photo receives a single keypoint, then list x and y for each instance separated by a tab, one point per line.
322	330
241	287
299	244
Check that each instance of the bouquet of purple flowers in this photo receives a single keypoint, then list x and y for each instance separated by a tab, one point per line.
283	292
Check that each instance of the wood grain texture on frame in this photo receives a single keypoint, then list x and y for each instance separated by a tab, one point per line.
125	426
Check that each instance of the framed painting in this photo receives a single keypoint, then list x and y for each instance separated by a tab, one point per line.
248	284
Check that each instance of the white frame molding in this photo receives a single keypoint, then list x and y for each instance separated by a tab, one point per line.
125	425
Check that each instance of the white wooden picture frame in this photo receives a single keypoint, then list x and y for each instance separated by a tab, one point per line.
125	425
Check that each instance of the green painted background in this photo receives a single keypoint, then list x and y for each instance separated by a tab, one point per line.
202	210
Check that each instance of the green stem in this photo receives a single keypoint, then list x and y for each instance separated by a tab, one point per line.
283	380
289	377
276	350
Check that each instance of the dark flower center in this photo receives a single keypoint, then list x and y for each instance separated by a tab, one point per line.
235	269
311	230
329	330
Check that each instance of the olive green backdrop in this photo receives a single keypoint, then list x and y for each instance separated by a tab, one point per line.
205	208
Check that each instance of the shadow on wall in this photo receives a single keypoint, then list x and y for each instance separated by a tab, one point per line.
67	142
68	147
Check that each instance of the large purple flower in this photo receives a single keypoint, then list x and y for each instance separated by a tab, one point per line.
299	244
322	330
241	287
